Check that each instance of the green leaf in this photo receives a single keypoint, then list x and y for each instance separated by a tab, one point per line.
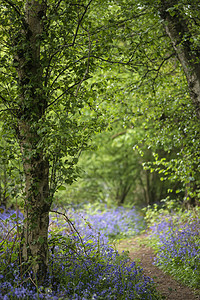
61	188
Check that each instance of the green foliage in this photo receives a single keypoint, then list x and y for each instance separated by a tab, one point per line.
11	175
150	83
156	212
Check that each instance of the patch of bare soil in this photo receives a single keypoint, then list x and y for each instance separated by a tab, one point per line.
169	288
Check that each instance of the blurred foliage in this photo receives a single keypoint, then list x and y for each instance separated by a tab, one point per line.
113	173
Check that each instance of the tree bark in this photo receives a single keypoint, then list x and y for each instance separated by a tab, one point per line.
32	103
37	203
177	29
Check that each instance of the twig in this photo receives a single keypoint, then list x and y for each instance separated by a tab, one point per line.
71	226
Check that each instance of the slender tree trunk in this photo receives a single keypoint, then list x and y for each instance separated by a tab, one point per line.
122	193
37	204
177	29
148	198
32	104
4	183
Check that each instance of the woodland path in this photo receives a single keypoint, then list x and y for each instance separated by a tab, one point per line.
170	288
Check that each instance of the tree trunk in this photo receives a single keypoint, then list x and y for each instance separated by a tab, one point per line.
37	204
148	198
122	193
177	29
32	103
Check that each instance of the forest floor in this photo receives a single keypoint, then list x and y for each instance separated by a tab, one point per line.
169	288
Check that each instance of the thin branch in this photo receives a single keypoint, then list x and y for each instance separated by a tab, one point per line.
77	83
50	59
162	63
63	70
7	109
62	94
79	23
87	69
61	47
118	134
17	10
73	228
4	99
120	62
13	6
59	74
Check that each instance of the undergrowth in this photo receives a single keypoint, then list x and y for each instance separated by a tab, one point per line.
82	264
175	237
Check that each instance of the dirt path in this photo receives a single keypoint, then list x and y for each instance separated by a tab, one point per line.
168	287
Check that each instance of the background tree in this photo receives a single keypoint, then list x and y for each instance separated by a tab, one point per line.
181	22
161	87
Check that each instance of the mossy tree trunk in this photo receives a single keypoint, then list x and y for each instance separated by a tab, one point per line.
177	27
37	203
32	102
